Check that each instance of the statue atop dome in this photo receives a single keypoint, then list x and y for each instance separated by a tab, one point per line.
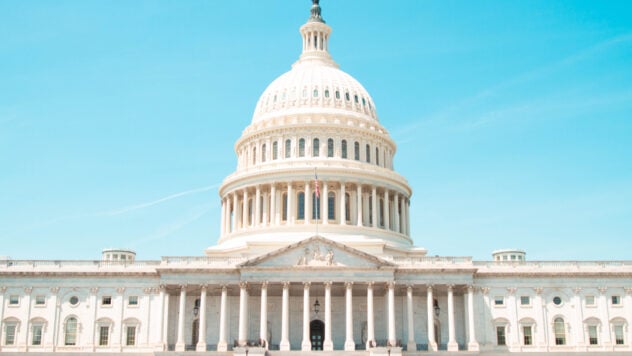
315	11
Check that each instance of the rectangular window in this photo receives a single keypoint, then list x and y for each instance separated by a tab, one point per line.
590	300
618	335
37	335
356	151
14	300
40	300
499	300
616	300
288	148
106	300
592	335
275	149
527	335
500	335
132	300
525	300
9	338
368	154
130	340
104	335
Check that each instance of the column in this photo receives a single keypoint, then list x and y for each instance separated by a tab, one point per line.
604	331
349	343
257	206
180	341
245	212
274	217
392	338
263	326
396	219
265	219
289	207
328	344
325	206
374	205
222	345
201	345
242	338
407	217
359	203
165	322
370	323
343	204
452	344
227	228
432	343
235	218
284	345
472	344
222	224
308	203
306	345
412	344
387	211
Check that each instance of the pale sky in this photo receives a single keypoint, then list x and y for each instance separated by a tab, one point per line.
513	119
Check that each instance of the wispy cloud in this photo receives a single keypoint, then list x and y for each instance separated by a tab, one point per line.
130	208
455	113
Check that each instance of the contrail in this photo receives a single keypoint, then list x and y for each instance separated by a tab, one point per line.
127	209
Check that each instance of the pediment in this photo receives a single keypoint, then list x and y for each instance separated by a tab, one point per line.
317	251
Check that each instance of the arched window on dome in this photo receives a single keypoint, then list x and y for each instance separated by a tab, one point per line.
301	147
355	98
330	147
264	152
377	156
70	332
356	151
304	93
254	155
316	148
315	206
275	150
284	207
326	93
337	95
343	147
347	96
363	102
300	206
331	206
288	148
559	329
368	153
315	93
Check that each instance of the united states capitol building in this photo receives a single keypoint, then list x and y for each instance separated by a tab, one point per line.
314	254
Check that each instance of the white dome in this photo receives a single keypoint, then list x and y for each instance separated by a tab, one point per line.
314	86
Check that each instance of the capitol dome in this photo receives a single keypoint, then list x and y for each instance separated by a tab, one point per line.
315	161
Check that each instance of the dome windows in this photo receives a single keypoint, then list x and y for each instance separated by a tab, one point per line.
263	153
275	149
356	151
337	95
326	93
288	148
301	147
347	96
355	98
330	148
316	148
343	146
315	93
368	153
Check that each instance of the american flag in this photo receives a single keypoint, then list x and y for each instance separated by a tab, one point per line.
316	187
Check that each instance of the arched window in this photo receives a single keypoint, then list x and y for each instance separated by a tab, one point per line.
316	148
347	207
254	155
356	151
380	212
377	156
559	331
331	206
315	93
326	93
251	212
275	150
300	208
315	206
288	148
343	147
301	147
70	332
337	94
284	207
330	147
347	96
370	211
355	98
263	152
368	153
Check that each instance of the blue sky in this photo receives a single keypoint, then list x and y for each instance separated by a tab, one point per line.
513	118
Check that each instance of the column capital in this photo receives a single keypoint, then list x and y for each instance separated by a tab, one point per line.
511	290
390	284
485	290
577	290
28	290
537	290
224	288
4	289
429	287
348	285
602	290
471	288
409	288
53	290
183	286
286	284
204	287
243	285
306	285
264	285
94	290
628	290
120	290
450	287
162	287
328	284
370	284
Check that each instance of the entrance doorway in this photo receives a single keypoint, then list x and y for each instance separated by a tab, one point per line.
316	334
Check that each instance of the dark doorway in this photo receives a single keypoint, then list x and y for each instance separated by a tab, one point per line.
317	334
195	332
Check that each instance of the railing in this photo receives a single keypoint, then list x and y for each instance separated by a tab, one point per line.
202	260
432	260
552	264
76	263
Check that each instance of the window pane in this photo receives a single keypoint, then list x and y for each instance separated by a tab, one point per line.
331	206
592	334
37	335
71	332
316	148
343	147
368	153
525	300
131	336
500	335
104	335
300	208
618	334
301	147
133	300
356	147
275	148
330	148
288	148
10	334
526	331
560	333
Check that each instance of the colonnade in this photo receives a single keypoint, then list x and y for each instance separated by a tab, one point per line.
298	203
349	344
